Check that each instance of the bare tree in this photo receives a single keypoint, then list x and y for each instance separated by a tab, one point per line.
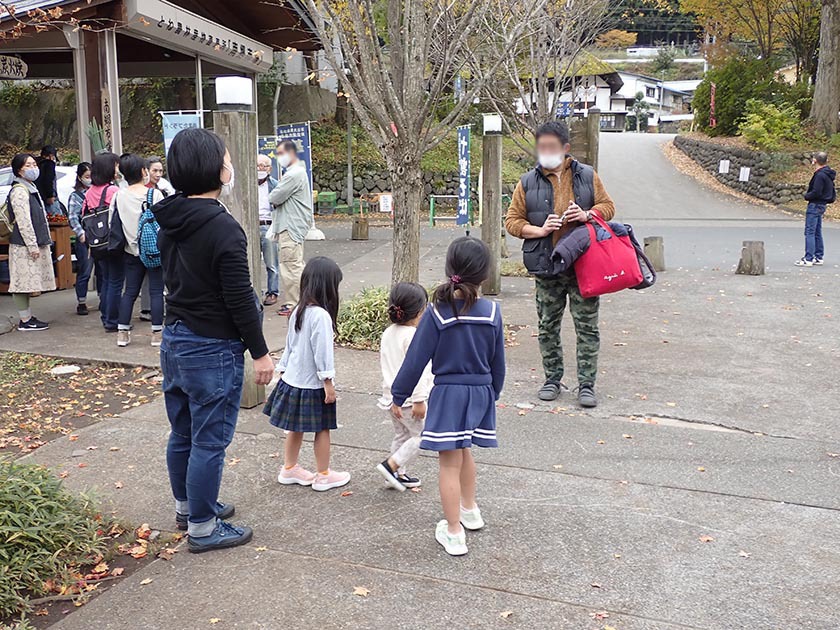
398	61
826	101
799	22
541	64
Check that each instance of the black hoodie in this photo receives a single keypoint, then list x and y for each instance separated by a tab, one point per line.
821	186
204	254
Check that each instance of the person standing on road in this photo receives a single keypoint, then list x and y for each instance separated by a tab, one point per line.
30	259
268	246
557	195
291	220
75	204
820	192
212	316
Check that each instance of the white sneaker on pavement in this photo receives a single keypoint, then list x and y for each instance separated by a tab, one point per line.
471	519
453	544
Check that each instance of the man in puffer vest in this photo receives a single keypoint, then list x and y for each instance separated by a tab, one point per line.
552	198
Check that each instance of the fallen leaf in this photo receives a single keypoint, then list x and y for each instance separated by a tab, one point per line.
595	585
620	344
361	591
143	531
833	454
417	490
744	554
234	461
117	572
63	474
505	614
617	556
43	612
671	404
92	448
166	553
609	628
274	455
146	581
701	469
261	549
601	614
215	620
346	493
706	539
73	438
118	485
138	551
82	465
558	466
627	436
600	442
114	448
102	567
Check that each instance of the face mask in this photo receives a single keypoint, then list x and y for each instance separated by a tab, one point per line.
261	175
31	173
284	160
86	182
551	161
227	187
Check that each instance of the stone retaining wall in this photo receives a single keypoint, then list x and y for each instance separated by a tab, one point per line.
709	155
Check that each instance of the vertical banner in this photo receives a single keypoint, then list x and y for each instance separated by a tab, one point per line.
299	134
267	145
712	117
173	122
463	174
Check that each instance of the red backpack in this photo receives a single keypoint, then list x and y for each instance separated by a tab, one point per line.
609	265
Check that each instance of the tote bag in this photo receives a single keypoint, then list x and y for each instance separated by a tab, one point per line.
609	265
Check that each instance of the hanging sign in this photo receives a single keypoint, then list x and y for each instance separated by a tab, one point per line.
299	134
463	174
12	68
173	122
712	117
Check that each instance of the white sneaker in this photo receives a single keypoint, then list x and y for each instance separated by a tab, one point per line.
804	263
329	481
818	261
156	338
471	519
454	545
123	338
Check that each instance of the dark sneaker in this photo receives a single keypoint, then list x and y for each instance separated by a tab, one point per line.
549	391
391	476
285	311
409	482
586	395
223	510
270	300
224	536
33	324
145	316
110	330
82	309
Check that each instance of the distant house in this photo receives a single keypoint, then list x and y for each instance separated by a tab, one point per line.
663	97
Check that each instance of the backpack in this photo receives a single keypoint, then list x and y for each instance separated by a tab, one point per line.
147	233
96	224
7	216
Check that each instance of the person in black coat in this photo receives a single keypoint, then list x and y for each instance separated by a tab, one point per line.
820	192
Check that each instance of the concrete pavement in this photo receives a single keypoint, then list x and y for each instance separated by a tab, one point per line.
716	421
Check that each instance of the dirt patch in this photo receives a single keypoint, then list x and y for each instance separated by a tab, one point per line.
37	405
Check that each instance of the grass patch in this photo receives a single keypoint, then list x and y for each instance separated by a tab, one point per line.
36	406
363	318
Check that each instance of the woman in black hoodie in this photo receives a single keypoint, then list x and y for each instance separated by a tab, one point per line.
212	317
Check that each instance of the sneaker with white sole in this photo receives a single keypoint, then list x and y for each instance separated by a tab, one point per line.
391	476
818	261
803	262
471	519
295	475
123	338
408	481
331	480
453	544
33	324
157	338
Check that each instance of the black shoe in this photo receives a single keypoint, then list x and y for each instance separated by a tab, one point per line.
223	511
145	316
110	330
82	309
586	395
409	482
223	537
549	391
391	476
33	324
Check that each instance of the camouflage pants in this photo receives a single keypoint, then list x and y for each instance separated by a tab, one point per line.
551	303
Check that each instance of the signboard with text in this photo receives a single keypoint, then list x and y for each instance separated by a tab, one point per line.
12	68
463	174
299	134
175	122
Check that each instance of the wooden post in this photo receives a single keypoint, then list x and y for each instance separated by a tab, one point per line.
655	250
752	259
593	131
491	204
239	131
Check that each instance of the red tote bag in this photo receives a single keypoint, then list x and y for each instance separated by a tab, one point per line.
609	265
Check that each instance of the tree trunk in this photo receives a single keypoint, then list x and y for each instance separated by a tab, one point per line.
827	90
407	187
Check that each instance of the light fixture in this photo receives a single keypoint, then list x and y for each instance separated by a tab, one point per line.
234	93
492	124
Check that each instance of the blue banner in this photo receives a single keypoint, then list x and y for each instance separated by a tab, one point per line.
463	175
299	134
173	123
267	145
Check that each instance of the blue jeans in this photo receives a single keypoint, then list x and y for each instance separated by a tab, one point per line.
270	256
83	267
110	293
202	388
814	247
135	273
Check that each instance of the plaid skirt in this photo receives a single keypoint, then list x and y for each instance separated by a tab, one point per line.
299	410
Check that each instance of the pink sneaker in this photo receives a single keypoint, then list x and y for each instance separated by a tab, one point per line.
331	480
295	475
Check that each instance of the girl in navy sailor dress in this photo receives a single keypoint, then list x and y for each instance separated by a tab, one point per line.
463	336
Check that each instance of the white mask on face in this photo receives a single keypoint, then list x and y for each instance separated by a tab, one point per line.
261	175
227	187
284	160
551	161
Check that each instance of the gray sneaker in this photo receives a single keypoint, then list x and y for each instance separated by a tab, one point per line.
223	537
549	391
586	395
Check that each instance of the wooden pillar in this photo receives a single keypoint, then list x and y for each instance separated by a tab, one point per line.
76	40
92	87
655	250
593	132
239	131
110	90
491	205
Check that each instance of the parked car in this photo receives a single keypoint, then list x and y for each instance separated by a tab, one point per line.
65	180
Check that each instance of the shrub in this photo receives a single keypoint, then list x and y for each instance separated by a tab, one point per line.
615	38
45	531
363	318
768	126
737	81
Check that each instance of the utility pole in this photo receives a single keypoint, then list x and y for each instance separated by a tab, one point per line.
236	123
491	200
